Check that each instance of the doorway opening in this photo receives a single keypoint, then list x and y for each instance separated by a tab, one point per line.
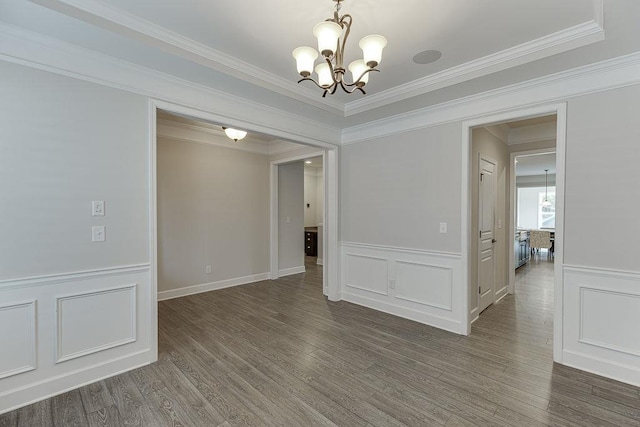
509	208
250	212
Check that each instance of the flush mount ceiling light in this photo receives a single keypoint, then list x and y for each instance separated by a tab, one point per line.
234	134
332	37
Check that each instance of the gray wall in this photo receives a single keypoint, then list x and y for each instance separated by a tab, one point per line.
213	209
64	143
396	190
291	207
602	180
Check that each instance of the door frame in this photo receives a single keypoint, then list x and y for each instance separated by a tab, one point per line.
560	110
330	245
488	159
273	220
512	207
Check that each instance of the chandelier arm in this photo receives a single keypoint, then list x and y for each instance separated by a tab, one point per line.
362	75
340	50
345	88
315	82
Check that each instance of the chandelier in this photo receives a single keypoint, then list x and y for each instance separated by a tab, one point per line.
332	37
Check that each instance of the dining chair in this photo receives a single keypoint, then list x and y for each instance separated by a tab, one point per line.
540	239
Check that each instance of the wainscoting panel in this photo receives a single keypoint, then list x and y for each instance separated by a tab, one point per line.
367	273
18	338
62	331
419	285
412	284
602	314
95	321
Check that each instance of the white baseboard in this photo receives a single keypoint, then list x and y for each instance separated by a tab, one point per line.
292	270
212	286
320	261
603	367
404	312
54	386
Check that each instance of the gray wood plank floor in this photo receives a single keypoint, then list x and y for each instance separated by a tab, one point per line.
278	353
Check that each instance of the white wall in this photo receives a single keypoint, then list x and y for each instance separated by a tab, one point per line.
291	218
213	210
71	311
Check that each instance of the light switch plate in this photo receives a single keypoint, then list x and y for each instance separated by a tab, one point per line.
443	227
97	208
98	233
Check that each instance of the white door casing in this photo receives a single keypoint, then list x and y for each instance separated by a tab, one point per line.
486	240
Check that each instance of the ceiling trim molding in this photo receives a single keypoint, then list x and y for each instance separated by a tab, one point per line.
606	75
45	53
128	25
552	44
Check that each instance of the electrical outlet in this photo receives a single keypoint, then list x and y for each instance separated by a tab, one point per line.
208	269
392	283
98	233
97	208
443	227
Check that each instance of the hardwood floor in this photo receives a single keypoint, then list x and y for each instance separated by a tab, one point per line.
278	353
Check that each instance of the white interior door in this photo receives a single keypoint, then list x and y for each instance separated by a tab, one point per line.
486	217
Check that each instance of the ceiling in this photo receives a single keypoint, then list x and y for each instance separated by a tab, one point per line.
535	164
532	122
243	47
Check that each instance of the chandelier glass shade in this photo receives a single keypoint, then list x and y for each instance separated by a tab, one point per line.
332	37
234	134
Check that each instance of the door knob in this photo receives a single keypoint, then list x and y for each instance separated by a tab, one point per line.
493	240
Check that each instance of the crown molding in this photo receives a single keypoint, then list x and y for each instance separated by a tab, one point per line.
128	25
35	50
552	44
605	75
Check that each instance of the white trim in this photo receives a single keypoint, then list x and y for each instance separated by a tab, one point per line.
561	112
32	362
562	41
604	367
60	357
602	272
49	387
153	226
319	261
605	75
404	312
50	279
211	286
291	271
441	254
